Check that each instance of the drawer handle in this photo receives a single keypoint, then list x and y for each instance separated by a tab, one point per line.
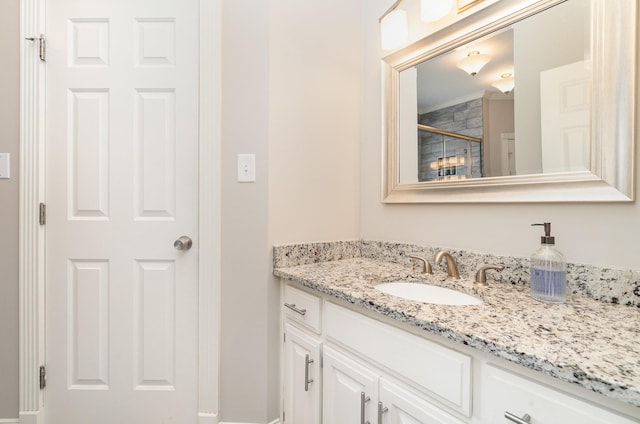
307	380
381	410
526	418
292	306
363	400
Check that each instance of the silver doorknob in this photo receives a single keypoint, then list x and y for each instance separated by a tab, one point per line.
183	243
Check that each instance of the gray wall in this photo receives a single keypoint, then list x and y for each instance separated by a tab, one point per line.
9	143
245	317
292	94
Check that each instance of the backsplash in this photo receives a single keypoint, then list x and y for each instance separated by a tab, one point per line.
308	253
600	283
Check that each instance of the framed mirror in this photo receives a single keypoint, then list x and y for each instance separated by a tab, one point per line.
524	101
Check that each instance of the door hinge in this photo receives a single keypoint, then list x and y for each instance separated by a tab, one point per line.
43	214
43	377
42	46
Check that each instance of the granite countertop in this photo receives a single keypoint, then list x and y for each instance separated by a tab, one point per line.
586	342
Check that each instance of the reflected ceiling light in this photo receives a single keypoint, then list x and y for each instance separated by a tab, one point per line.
433	10
394	30
505	83
473	62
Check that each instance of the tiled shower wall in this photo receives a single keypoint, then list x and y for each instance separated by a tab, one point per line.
463	118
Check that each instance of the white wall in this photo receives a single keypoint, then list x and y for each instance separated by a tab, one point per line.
408	152
315	119
9	143
604	234
498	119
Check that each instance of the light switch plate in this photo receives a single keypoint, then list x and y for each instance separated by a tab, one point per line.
5	165
246	168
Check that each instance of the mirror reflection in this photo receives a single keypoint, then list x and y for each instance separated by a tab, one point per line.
515	102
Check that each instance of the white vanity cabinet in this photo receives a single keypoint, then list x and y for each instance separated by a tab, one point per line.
442	374
356	392
506	392
368	371
350	390
402	405
341	367
302	380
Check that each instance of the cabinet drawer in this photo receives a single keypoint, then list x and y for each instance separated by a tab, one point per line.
302	307
504	391
444	373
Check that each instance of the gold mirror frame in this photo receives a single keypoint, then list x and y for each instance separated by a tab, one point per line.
614	91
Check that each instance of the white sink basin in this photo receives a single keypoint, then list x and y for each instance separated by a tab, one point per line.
428	294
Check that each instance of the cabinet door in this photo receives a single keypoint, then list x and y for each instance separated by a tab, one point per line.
400	404
302	388
350	390
504	391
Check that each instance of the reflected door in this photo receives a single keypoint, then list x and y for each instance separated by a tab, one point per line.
122	183
565	100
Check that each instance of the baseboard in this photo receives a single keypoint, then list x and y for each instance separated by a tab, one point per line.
31	417
17	421
204	418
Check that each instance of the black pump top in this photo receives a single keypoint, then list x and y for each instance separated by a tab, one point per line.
547	238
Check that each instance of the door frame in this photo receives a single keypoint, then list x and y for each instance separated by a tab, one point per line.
32	288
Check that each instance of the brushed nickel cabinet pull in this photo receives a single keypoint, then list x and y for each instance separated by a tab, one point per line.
526	418
292	306
363	400
381	410
307	380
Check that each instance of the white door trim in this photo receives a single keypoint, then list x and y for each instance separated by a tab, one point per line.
32	192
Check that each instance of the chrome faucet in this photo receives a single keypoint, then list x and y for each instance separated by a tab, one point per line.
452	267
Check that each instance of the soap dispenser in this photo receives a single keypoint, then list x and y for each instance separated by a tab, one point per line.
548	270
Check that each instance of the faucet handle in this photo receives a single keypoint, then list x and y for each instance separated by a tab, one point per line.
481	275
426	266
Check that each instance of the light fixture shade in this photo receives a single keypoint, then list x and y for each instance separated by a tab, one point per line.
473	63
433	10
394	30
505	83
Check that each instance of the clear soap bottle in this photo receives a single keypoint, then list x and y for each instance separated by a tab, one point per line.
548	270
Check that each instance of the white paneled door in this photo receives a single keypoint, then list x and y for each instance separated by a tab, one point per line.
121	187
565	107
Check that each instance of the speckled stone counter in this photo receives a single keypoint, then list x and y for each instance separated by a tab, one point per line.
587	342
